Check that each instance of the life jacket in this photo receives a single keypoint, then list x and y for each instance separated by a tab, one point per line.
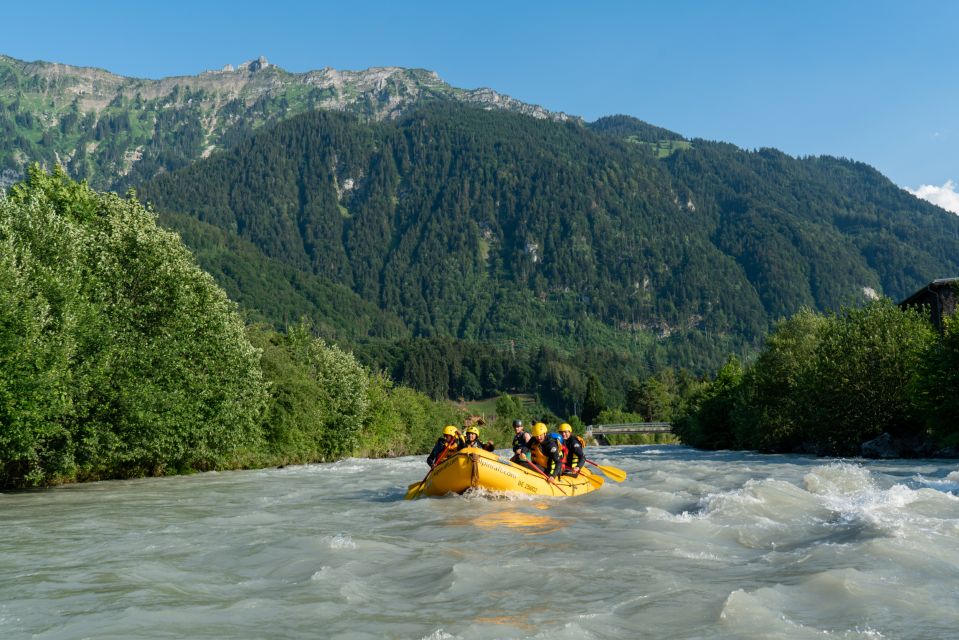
537	455
451	447
570	457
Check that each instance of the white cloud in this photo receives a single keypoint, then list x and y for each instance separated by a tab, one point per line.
944	196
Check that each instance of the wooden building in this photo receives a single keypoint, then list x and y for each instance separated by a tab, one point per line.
939	296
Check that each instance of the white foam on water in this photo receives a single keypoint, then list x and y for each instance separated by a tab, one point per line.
570	630
767	502
686	516
698	555
949	484
838	478
341	541
439	634
321	574
480	493
852	492
848	603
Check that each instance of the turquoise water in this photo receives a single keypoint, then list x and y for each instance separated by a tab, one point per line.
692	545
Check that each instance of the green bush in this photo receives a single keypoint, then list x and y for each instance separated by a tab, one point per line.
829	383
122	356
323	405
772	409
938	382
865	366
711	422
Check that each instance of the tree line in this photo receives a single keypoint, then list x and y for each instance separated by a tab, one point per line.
120	357
827	383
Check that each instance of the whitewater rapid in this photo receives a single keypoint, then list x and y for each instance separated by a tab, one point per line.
693	545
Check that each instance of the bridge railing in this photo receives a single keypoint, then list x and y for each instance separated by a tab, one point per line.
598	432
630	427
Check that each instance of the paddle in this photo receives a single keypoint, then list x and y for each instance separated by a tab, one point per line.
596	481
613	473
593	479
545	475
415	489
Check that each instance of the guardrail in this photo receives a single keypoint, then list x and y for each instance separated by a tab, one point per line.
599	431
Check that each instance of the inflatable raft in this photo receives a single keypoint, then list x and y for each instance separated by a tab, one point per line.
474	468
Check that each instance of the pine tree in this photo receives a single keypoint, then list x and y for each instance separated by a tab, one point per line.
594	402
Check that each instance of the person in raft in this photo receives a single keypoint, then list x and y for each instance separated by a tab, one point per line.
574	451
543	453
472	440
447	443
519	441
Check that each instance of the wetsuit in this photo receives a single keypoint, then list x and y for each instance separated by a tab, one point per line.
575	455
520	446
546	455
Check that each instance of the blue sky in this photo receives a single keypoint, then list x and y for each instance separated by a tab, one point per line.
874	81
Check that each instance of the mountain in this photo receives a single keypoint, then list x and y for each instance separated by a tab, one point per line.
496	227
436	228
116	131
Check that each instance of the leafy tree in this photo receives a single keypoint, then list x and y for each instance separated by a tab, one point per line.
866	363
711	425
509	408
938	381
825	384
773	412
142	357
655	397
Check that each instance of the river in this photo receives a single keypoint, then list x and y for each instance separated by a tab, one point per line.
692	545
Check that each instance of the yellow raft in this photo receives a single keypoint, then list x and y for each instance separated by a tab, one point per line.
474	468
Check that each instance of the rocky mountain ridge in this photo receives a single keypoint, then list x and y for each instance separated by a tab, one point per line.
392	88
115	130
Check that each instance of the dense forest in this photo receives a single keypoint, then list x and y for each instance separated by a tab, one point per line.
540	249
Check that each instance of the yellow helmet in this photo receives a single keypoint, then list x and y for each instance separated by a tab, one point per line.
563	428
539	429
450	430
473	430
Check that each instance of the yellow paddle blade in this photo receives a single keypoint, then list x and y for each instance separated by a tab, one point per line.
596	481
613	473
415	490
